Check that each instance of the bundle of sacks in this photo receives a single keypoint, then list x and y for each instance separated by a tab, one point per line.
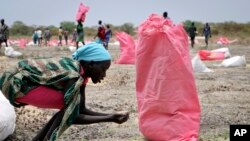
215	55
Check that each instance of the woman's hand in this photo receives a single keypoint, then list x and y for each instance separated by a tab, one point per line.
120	117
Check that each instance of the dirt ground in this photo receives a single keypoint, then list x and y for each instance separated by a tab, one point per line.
224	98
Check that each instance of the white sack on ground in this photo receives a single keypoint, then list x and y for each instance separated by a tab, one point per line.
116	43
10	52
225	50
199	66
31	43
236	61
7	118
72	48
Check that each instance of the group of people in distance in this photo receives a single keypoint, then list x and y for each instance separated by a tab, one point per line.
192	31
103	34
38	36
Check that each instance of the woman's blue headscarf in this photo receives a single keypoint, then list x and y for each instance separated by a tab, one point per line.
91	52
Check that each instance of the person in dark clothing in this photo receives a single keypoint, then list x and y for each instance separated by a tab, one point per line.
165	15
192	33
101	34
60	34
66	34
4	33
47	36
207	33
108	35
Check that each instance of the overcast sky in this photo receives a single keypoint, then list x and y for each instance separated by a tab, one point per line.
118	12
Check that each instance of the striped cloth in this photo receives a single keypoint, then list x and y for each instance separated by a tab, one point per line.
34	72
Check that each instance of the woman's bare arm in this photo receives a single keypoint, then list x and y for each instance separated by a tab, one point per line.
88	116
83	109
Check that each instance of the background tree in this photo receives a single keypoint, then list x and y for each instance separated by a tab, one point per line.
53	30
70	26
128	28
19	29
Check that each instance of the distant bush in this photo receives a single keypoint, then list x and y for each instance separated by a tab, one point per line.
70	26
19	28
128	28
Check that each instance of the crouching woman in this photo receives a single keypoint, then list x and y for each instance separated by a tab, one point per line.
47	83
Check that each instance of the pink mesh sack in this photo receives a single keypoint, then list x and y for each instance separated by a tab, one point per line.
81	13
22	43
207	55
167	99
223	41
127	48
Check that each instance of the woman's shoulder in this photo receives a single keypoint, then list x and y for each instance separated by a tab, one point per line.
69	64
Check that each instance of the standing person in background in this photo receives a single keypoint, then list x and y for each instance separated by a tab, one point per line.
108	35
60	34
66	34
47	36
80	33
35	37
207	33
101	34
165	15
4	33
74	36
192	33
40	37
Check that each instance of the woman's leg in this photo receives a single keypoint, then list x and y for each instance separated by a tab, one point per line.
55	124
77	44
66	40
6	43
41	134
206	40
192	42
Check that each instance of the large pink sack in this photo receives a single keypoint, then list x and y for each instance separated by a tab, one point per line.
81	13
127	48
167	99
